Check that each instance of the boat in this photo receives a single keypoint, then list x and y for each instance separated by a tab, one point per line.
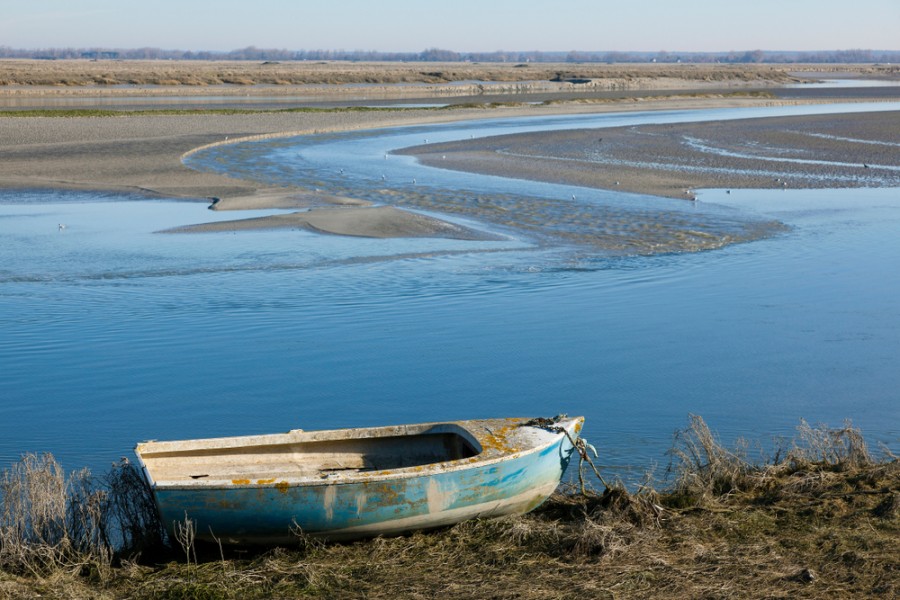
355	483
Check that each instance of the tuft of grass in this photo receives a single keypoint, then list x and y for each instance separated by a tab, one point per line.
50	521
705	470
843	448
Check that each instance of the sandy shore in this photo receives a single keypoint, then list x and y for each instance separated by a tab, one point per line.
369	221
823	151
142	153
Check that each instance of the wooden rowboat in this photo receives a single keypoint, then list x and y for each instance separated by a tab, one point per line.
352	483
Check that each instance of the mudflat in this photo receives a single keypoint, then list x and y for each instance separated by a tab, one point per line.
141	151
822	151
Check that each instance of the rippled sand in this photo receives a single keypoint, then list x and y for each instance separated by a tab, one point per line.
845	150
144	153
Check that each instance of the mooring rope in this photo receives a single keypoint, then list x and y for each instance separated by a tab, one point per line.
581	446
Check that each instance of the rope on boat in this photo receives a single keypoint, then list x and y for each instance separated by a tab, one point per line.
581	446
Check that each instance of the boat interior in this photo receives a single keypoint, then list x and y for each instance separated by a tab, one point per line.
293	457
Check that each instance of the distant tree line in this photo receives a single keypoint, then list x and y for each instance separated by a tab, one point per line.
440	55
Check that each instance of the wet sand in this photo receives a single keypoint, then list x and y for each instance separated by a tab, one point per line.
823	151
142	153
369	221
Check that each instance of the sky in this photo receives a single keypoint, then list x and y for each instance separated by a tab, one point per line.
459	25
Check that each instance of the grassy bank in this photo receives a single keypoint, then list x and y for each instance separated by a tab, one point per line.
820	518
197	73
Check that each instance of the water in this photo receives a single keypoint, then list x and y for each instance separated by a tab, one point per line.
849	83
111	333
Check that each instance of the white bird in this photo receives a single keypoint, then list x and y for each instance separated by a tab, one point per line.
62	226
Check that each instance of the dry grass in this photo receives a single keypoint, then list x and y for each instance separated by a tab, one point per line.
52	523
72	73
821	520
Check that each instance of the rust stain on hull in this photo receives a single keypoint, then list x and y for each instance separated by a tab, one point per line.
351	483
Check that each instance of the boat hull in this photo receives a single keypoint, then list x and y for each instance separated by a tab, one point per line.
377	504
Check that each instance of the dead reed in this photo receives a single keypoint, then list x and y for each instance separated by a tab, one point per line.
50	521
819	519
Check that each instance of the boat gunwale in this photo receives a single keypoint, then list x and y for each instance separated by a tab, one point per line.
304	436
570	425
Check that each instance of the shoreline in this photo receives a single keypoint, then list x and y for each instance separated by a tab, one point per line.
819	522
144	154
844	150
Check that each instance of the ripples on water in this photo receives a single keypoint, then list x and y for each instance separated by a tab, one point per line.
110	334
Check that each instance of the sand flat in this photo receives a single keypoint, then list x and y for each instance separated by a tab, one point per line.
816	151
357	221
143	153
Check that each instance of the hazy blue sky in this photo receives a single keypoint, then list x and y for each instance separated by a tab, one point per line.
461	25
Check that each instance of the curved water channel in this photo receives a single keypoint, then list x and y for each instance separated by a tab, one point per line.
113	334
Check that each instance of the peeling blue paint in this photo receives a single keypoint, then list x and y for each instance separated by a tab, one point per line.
266	513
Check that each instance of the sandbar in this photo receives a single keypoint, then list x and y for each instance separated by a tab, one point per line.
819	151
143	153
359	221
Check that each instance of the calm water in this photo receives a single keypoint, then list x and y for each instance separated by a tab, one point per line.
111	333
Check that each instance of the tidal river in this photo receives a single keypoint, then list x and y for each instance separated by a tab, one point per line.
111	333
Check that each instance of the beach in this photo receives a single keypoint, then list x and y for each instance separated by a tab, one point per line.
821	151
142	151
